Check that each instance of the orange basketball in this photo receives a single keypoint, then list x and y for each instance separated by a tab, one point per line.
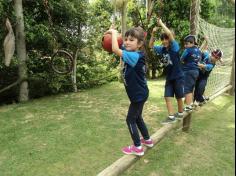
107	42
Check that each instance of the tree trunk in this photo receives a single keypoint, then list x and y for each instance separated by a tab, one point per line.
124	19
74	71
21	50
232	77
194	16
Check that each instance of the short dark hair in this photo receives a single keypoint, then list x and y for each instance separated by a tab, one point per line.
217	53
164	36
136	32
191	39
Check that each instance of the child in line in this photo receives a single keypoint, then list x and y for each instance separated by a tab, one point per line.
206	65
174	85
136	86
190	58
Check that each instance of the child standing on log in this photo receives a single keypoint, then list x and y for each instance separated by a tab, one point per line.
206	65
190	59
135	85
174	86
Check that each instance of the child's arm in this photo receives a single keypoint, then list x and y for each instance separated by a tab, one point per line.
115	45
166	29
207	67
152	40
130	58
204	44
184	55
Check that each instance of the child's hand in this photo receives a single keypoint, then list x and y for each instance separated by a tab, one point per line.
206	38
201	66
111	31
154	30
159	21
113	26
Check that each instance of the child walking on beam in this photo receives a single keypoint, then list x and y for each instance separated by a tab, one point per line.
136	86
174	85
190	59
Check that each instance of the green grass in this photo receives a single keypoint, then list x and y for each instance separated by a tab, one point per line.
207	150
82	133
71	134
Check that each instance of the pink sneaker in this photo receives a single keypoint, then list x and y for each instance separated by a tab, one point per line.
133	150
148	143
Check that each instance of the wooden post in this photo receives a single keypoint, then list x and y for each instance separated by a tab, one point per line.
122	164
21	51
194	15
124	18
187	122
232	77
74	71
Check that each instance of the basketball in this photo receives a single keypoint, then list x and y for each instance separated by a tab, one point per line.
107	42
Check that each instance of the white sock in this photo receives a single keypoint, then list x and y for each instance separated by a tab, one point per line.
139	147
148	139
171	116
180	113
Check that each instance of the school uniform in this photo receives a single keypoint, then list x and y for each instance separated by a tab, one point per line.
135	83
174	85
190	58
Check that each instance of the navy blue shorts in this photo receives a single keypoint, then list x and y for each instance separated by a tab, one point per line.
174	88
190	78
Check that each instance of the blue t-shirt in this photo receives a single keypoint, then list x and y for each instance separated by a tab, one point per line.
190	58
206	60
134	73
171	59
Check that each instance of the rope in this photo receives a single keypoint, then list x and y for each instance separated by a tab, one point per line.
218	38
194	16
47	8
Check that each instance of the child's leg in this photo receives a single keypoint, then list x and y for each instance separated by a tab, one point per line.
179	93
169	94
201	89
142	128
196	91
169	106
180	105
190	78
188	98
133	113
141	124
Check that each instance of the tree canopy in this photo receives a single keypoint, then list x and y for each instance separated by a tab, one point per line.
71	25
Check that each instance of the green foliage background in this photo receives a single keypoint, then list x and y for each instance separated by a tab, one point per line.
81	24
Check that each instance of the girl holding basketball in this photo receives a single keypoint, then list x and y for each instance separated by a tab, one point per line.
135	85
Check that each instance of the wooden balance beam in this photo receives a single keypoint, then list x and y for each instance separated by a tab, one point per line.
122	164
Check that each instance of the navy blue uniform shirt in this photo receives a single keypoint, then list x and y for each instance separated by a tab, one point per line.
190	58
206	60
172	60
134	73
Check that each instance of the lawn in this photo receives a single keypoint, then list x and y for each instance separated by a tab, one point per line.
82	133
207	150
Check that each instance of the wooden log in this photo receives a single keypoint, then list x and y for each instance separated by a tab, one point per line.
126	161
122	164
187	122
232	76
227	88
